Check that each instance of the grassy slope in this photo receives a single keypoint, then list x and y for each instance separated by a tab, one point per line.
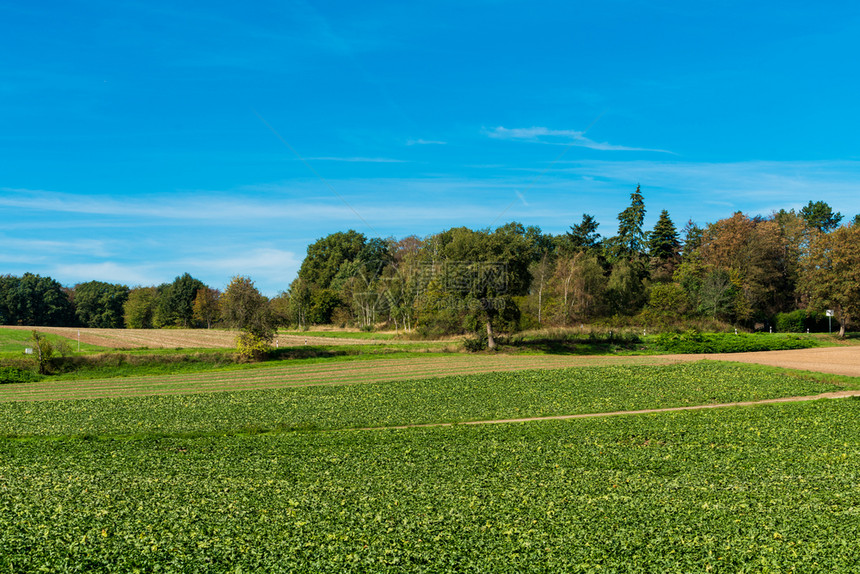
14	341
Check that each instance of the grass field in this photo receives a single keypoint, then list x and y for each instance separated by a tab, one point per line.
14	341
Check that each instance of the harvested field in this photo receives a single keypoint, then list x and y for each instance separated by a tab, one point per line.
186	338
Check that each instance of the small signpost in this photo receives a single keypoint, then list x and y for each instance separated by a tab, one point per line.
829	314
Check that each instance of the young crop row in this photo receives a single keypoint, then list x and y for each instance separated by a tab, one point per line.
461	398
765	489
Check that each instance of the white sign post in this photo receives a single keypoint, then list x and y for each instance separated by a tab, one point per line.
829	314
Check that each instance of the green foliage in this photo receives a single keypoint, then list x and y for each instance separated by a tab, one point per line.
244	307
10	375
326	256
139	308
476	343
693	235
830	274
769	489
793	322
100	305
583	236
43	350
206	308
175	303
253	346
668	299
820	216
718	294
663	242
322	306
34	301
695	342
625	291
429	400
631	239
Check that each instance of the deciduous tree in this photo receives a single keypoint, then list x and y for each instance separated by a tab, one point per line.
99	304
35	300
139	308
206	309
830	274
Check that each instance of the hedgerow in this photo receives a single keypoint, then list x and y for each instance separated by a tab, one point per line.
695	342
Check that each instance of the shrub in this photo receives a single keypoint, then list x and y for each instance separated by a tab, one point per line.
476	343
251	346
16	375
794	322
695	342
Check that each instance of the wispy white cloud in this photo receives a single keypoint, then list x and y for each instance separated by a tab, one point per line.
566	137
107	271
36	247
266	265
425	142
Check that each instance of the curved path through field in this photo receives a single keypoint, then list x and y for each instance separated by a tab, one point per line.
832	395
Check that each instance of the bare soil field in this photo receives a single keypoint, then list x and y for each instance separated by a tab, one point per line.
182	338
833	360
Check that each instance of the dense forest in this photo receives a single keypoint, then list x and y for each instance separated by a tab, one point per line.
777	272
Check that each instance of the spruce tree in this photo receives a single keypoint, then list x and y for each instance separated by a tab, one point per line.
630	241
663	241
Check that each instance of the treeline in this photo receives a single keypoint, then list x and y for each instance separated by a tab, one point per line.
186	302
781	271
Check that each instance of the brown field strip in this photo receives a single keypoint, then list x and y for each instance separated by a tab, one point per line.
190	338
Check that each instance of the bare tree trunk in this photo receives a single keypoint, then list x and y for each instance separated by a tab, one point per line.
491	343
540	300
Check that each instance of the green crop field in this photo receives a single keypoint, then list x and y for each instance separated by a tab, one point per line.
218	482
762	489
419	401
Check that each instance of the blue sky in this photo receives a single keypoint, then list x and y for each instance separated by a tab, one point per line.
141	140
